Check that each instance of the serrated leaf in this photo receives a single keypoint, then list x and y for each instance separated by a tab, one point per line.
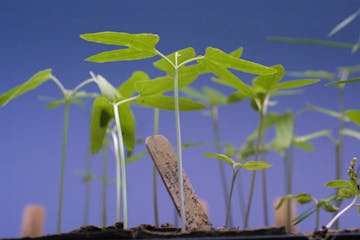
255	165
183	55
168	103
221	157
338	184
311	42
344	22
128	88
138	46
101	117
354	116
296	83
34	82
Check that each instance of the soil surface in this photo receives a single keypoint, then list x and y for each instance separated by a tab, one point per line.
168	231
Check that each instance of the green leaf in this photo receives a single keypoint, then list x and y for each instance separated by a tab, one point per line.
304	145
351	133
127	121
222	157
168	103
183	55
101	117
106	89
311	42
134	157
266	83
303	142
345	193
138	46
303	198
127	89
214	97
319	74
296	83
304	215
354	116
34	82
255	165
237	52
284	125
327	112
338	184
344	81
345	22
193	93
327	206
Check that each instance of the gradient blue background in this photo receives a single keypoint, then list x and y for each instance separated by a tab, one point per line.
39	34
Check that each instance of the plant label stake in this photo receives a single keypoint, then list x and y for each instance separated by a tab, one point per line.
167	164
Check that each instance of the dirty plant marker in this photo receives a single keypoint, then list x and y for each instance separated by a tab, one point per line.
166	162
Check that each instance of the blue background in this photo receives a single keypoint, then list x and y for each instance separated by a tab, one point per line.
39	34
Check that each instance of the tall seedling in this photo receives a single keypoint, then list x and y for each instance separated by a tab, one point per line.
176	65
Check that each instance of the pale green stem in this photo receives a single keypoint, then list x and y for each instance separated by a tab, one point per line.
118	175
104	185
87	189
228	204
179	146
155	192
59	84
338	215
83	84
288	176
253	176
63	159
122	161
189	61
264	188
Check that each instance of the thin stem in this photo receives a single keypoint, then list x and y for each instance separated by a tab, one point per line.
63	159
167	59
215	120
317	219
253	176
264	187
87	189
338	215
104	185
155	192
122	162
179	146
228	204
118	175
288	176
59	84
190	60
83	84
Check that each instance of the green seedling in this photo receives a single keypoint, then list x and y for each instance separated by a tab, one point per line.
236	166
319	204
69	96
181	67
264	87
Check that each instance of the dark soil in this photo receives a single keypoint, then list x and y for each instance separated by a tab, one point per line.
169	232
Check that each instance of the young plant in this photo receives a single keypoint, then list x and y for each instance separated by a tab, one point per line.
236	166
69	96
179	72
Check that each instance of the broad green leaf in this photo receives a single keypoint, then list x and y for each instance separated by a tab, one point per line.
237	97
34	82
183	55
168	103
224	60
101	117
311	42
354	116
137	46
344	193
327	206
266	83
338	184
303	198
225	77
106	89
296	83
284	125
127	121
127	89
134	157
344	22
327	112
255	165
222	157
344	81
351	133
193	93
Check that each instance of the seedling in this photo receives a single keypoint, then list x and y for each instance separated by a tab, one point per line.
178	69
236	166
